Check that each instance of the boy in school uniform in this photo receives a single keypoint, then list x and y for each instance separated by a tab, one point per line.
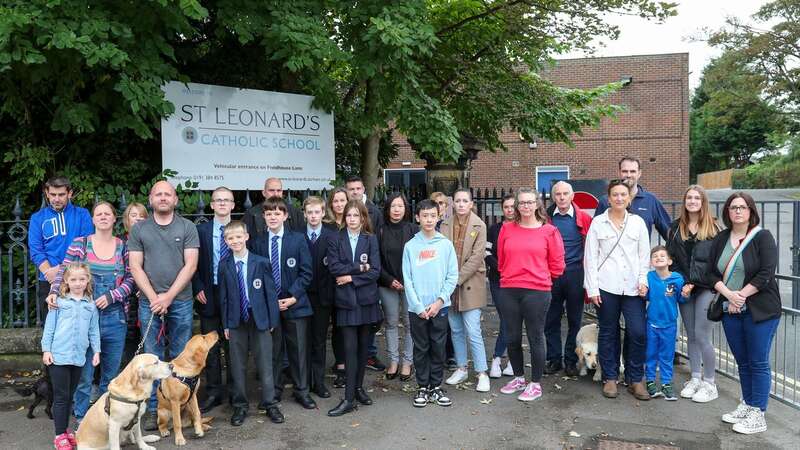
249	308
321	290
290	265
430	274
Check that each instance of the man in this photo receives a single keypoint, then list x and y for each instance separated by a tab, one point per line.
644	204
52	229
355	191
567	291
205	287
254	217
163	253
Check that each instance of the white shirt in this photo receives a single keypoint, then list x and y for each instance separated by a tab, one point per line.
570	211
627	266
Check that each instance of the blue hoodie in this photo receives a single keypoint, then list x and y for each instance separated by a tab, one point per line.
50	233
664	295
430	271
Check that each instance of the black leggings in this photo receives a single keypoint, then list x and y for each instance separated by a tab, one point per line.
530	306
65	381
355	340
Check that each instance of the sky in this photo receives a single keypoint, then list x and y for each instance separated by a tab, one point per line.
639	36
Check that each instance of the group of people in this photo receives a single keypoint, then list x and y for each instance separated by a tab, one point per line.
275	283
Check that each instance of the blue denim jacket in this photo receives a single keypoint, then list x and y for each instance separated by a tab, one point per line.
70	330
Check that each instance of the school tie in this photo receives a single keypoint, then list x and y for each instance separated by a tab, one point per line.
224	250
244	302
313	237
275	261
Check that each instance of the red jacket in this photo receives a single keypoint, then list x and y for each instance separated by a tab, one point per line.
582	219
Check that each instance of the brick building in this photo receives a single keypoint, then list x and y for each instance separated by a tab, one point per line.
654	127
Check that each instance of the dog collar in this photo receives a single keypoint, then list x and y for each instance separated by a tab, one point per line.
117	398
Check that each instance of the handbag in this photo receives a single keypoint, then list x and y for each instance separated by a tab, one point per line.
715	309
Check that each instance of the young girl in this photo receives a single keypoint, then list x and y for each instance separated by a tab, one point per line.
68	332
354	259
334	219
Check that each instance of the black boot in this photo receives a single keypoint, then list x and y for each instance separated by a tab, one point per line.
343	408
362	397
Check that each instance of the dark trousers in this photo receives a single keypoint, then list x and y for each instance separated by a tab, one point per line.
244	340
213	370
608	340
528	306
355	340
41	300
320	323
65	381
567	293
429	338
292	336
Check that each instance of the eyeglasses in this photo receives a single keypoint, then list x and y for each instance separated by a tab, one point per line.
527	203
738	208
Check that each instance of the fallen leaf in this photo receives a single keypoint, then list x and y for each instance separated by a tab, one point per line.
260	421
370	390
471	428
384	390
20	408
355	425
569	378
486	401
574	434
557	386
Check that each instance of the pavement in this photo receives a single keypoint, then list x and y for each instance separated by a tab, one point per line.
572	414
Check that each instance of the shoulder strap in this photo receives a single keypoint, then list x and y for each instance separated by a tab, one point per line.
738	252
619	238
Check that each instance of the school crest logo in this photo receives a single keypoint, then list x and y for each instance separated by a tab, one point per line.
325	261
363	258
291	262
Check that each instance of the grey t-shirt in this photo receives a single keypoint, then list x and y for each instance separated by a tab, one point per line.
163	247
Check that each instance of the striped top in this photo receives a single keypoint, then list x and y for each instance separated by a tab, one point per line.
115	270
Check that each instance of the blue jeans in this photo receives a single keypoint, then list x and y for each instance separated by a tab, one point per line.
500	343
113	328
608	341
750	344
568	294
179	331
660	352
465	326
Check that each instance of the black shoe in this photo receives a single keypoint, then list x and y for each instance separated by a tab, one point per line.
275	415
321	391
150	421
552	367
210	403
305	401
237	419
362	397
571	370
451	364
375	364
343	408
340	380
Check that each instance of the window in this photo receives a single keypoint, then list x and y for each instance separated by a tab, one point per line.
407	178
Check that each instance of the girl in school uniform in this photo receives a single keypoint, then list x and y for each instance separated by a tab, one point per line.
354	259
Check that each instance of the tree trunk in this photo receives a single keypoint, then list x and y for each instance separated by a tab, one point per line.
369	161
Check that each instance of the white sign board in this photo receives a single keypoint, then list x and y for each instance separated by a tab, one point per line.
224	136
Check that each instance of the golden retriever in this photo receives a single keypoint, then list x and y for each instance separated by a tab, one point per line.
134	384
175	394
587	350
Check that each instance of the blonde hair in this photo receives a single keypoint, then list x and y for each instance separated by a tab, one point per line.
68	270
707	226
330	216
126	221
314	200
233	226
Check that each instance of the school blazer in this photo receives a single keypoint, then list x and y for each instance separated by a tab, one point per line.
322	289
203	279
363	290
260	292
296	271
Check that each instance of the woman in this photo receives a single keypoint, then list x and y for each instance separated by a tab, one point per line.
334	216
742	270
616	263
507	203
112	284
689	243
354	259
467	232
134	213
530	253
396	230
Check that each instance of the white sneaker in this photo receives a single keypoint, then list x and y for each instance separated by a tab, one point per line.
706	393
483	383
458	377
737	415
495	371
508	371
753	423
691	387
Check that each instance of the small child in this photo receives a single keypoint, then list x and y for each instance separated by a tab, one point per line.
69	331
664	293
430	274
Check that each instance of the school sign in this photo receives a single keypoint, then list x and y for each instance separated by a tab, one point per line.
238	137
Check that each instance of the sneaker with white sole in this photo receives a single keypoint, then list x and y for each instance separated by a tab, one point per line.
483	383
737	415
753	423
495	371
691	387
421	399
458	377
515	385
508	371
531	392
439	396
706	393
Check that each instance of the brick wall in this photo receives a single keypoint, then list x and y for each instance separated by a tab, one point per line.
654	127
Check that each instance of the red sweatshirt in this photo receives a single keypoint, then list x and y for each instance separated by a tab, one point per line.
529	258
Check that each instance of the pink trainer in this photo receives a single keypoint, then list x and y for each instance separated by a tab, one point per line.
61	442
515	385
531	393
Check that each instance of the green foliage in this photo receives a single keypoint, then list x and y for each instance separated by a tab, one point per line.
772	172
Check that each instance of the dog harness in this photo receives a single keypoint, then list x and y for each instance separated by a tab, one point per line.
189	382
135	418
